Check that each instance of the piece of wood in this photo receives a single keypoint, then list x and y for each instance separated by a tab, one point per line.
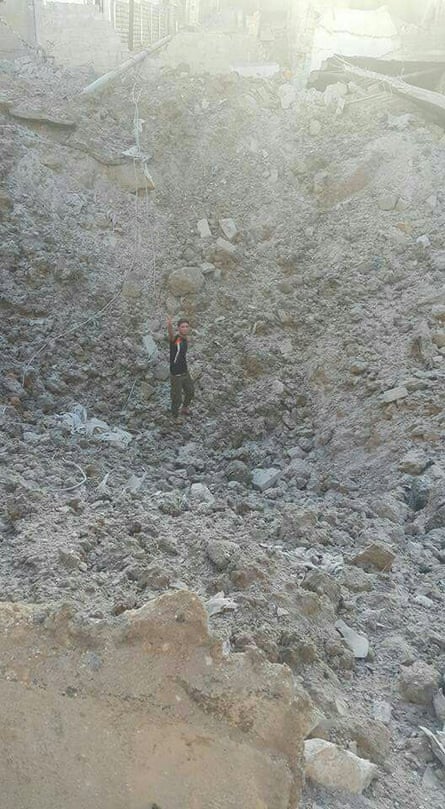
429	98
102	82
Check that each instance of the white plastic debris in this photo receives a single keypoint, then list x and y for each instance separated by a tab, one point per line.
77	420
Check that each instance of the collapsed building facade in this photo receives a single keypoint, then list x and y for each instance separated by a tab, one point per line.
296	34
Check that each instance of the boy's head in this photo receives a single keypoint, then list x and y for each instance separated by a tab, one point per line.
183	326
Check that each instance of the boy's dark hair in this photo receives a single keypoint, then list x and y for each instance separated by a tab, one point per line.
183	320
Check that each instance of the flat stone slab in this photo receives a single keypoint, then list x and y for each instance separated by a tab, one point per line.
41	117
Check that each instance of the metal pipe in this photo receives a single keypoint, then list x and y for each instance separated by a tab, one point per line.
107	78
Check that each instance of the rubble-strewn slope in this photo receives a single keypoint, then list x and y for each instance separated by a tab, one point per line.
318	347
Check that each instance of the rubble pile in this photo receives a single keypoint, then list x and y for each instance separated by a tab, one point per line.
304	501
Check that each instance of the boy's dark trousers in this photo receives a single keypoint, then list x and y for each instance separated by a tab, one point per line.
182	391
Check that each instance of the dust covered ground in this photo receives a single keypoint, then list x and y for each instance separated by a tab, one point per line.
318	349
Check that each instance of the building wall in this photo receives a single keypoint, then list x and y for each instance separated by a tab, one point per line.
19	19
78	34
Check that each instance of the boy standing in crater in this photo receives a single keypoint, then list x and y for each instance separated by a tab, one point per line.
182	388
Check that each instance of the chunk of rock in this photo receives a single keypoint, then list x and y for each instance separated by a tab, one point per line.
323	584
168	686
186	281
6	203
438	260
372	737
387	202
358	644
229	229
299	469
200	493
239	471
419	683
335	768
438	312
413	463
394	395
374	557
221	552
263	479
439	705
69	559
314	127
439	339
130	177
225	247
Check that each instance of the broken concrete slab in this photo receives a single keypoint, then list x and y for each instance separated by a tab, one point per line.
335	768
426	98
120	709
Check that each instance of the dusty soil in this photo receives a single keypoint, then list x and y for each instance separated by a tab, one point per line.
329	301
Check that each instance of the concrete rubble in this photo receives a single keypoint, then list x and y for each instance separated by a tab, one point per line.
302	502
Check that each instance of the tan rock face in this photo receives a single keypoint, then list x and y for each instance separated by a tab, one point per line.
143	710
